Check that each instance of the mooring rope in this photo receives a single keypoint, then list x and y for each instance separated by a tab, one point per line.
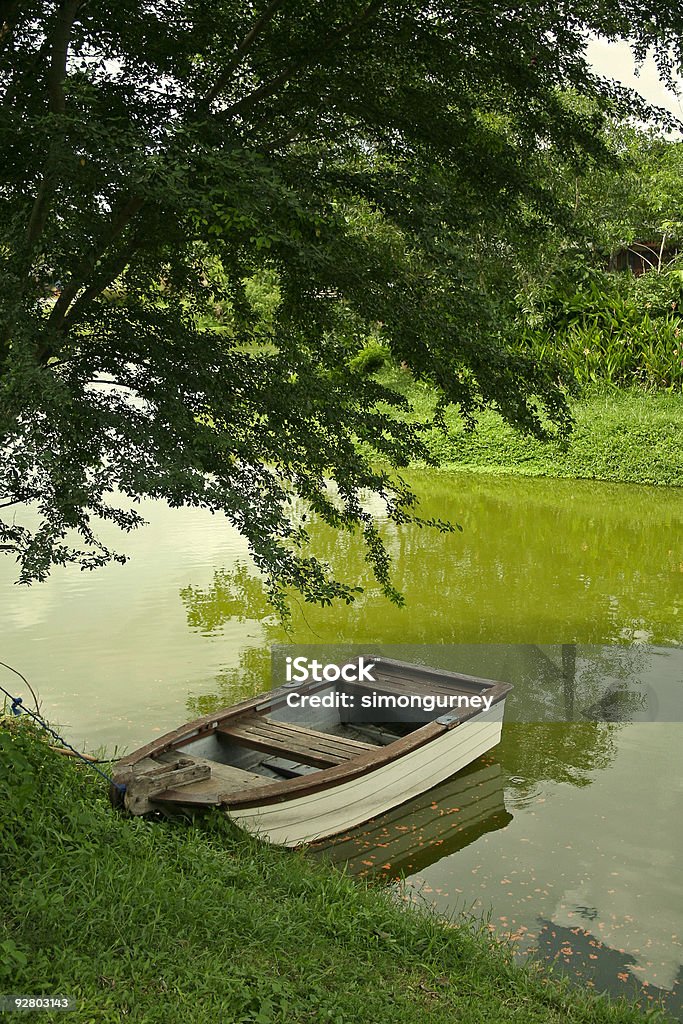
25	680
17	708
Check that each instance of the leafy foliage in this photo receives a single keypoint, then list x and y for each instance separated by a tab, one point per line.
167	169
607	325
612	327
371	358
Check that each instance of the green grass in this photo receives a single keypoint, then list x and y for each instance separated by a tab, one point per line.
624	436
175	922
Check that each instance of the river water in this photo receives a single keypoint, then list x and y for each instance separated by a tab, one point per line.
567	837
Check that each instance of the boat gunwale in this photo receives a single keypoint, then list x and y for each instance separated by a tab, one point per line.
277	791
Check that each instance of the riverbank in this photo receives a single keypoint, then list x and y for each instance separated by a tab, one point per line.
623	436
171	922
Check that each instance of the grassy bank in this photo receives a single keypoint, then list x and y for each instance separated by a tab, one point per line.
624	436
164	921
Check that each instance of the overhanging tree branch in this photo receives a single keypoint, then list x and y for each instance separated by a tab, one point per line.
66	16
361	225
115	267
60	313
270	88
60	317
122	217
241	51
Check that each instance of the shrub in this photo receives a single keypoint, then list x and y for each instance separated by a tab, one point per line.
611	327
370	358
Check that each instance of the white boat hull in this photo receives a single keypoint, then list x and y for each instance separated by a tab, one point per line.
327	812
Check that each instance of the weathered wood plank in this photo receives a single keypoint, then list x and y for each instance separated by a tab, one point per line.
324	738
307	739
269	744
141	787
305	745
388	683
222	775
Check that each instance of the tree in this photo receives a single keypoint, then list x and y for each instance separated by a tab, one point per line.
157	157
634	195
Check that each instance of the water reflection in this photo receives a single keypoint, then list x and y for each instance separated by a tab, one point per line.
249	677
545	561
578	952
234	595
581	870
434	825
552	682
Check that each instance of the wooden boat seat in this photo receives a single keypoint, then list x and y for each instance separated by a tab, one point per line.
306	746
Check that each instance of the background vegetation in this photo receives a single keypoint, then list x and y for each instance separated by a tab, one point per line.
616	338
609	325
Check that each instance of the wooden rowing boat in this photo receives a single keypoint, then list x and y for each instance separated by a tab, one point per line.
292	783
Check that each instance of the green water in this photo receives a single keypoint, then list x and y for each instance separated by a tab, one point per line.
589	836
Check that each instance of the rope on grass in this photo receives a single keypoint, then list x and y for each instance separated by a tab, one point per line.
17	707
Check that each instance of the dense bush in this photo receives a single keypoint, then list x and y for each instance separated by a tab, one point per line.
611	327
370	358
